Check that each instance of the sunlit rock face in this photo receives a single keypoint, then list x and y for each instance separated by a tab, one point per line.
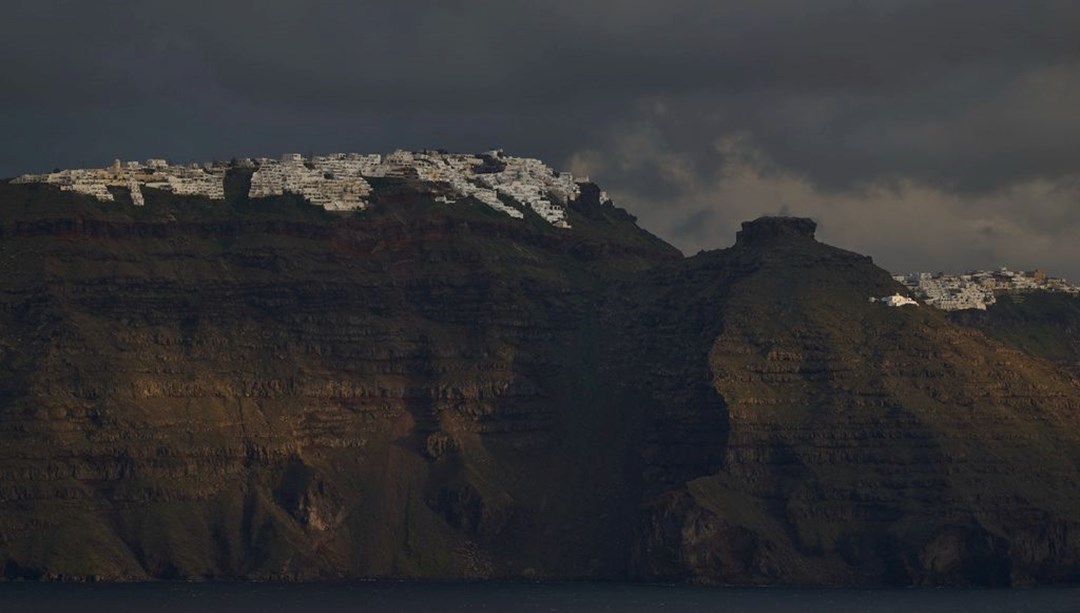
257	387
430	387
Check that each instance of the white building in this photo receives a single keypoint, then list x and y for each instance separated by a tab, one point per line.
896	300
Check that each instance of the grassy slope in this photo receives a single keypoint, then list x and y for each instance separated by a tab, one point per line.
1043	324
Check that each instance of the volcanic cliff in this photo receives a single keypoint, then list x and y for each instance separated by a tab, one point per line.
260	388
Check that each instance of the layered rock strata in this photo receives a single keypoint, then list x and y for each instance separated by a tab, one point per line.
862	444
259	388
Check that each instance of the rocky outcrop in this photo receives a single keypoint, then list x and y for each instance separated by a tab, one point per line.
866	444
262	389
766	229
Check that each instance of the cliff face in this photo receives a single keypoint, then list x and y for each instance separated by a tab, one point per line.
266	390
865	444
274	391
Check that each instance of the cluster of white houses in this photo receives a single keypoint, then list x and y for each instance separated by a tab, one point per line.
206	180
339	181
978	289
334	182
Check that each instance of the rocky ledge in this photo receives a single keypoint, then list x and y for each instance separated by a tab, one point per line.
766	229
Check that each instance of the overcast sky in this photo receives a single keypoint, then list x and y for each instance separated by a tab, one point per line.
932	135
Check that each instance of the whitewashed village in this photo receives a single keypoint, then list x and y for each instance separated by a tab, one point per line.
979	289
340	181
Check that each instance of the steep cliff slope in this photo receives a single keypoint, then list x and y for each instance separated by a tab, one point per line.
1041	323
263	389
862	443
259	388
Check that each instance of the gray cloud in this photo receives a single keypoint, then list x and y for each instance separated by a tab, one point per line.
905	224
953	119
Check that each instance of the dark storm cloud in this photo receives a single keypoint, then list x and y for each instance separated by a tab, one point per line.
675	105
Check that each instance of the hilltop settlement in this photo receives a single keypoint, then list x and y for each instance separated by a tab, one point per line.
340	181
978	289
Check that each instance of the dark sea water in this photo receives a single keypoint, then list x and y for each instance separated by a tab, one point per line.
515	598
